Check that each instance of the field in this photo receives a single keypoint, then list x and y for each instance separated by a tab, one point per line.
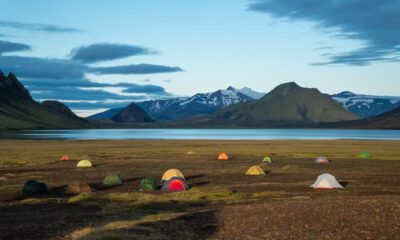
223	203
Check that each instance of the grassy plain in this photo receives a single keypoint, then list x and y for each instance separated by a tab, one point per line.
223	202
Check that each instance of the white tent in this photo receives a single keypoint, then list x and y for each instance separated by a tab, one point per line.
321	159
326	181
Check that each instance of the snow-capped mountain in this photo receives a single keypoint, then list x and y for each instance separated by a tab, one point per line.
251	93
366	105
199	104
184	107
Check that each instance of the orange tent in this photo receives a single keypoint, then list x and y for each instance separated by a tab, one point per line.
223	156
65	158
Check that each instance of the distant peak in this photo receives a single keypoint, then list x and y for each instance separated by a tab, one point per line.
11	75
289	84
231	88
285	87
345	94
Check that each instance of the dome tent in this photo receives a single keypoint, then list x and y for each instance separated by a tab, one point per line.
175	184
322	160
172	173
65	158
255	170
266	159
364	155
223	156
326	181
34	187
77	188
84	164
113	179
148	184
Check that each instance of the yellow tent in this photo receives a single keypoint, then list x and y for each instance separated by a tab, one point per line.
190	153
255	170
172	173
223	156
84	163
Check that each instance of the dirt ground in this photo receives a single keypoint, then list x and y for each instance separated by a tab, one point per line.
223	202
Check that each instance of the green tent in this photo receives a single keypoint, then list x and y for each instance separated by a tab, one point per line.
34	187
148	184
113	179
364	155
267	160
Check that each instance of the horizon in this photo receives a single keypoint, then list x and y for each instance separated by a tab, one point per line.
135	51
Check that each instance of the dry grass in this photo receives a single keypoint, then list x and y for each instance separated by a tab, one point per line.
127	213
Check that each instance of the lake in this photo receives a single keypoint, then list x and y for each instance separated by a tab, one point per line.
204	134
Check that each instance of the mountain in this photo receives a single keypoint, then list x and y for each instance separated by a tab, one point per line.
106	114
131	114
19	111
387	120
366	106
251	93
60	109
201	104
288	102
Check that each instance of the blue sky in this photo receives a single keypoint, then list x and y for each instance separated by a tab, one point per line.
97	54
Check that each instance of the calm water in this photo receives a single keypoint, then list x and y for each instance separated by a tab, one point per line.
213	134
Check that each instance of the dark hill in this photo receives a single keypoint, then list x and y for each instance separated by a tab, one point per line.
131	114
287	102
19	111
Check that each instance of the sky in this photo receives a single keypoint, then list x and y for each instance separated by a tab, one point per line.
99	54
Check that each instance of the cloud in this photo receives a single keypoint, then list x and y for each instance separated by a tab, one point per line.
6	46
51	68
78	98
135	69
106	51
42	68
134	88
65	80
37	27
375	23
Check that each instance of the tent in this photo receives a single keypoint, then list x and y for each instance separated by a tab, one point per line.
322	160
326	181
266	160
113	179
64	158
223	156
77	188
172	173
148	184
84	163
190	153
364	155
255	170
175	184
34	187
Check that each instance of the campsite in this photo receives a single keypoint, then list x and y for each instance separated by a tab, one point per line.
222	202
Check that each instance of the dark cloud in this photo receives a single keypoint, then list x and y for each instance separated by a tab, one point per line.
73	93
65	80
135	69
134	88
42	68
6	46
85	105
105	51
37	27
376	23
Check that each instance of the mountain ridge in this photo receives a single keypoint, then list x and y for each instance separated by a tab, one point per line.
300	104
19	111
